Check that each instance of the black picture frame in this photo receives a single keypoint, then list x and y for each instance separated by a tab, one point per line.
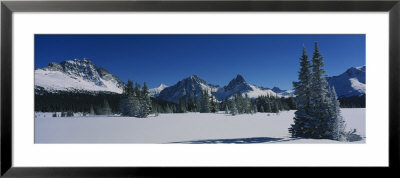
8	7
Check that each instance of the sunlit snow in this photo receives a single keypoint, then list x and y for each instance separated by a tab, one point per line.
181	128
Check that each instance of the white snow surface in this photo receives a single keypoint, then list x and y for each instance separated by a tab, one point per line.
253	92
357	85
256	92
154	92
59	81
286	93
181	128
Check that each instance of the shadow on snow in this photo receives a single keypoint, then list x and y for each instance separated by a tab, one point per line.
238	140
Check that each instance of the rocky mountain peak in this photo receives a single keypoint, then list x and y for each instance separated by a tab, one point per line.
355	71
78	71
277	90
238	82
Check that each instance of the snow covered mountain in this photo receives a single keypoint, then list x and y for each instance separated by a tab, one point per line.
193	85
154	92
239	84
350	83
283	93
76	75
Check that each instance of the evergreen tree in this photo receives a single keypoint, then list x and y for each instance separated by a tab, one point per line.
239	103
146	101
262	109
338	124
234	110
318	112
303	121
196	104
190	102
269	109
276	108
106	108
226	109
173	108
213	105
92	110
70	114
204	102
319	93
168	109
129	103
182	105
247	104
254	110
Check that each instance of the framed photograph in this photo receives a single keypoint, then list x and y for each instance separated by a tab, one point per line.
104	88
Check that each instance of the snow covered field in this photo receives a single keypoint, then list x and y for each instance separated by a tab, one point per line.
180	128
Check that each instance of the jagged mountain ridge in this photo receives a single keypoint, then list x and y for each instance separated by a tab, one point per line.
83	76
77	75
194	85
239	84
283	93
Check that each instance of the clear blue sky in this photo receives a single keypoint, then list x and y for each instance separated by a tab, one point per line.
263	60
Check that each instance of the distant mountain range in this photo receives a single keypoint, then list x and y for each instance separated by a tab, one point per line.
83	76
194	85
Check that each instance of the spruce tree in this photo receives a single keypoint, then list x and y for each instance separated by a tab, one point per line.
92	110
247	104
254	110
168	109
262	109
269	108
190	102
106	108
318	112
234	110
146	101
319	100
129	103
213	104
302	126
239	103
204	102
182	105
338	124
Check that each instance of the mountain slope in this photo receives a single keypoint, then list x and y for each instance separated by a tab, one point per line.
76	75
192	85
154	92
350	83
238	84
283	93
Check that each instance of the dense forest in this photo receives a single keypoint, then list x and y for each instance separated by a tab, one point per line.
83	102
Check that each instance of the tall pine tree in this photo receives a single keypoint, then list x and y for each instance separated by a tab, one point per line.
318	112
204	102
319	100
145	101
233	106
302	126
